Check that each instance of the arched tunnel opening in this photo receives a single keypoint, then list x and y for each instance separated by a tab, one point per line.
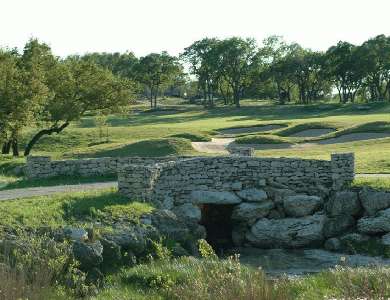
217	219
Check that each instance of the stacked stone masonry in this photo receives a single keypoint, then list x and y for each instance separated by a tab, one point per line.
44	167
277	202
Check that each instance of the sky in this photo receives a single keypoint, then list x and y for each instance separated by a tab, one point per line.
145	26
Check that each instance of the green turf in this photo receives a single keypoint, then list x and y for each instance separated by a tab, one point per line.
149	133
69	208
261	139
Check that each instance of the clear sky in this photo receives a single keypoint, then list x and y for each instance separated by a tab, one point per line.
144	26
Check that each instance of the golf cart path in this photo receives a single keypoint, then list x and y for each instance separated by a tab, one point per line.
50	190
14	194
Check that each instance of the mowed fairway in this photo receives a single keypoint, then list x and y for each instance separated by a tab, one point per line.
155	130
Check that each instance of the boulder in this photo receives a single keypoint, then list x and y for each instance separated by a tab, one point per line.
343	203
301	205
278	195
132	238
170	225
386	240
332	244
288	233
374	201
238	235
335	226
360	243
76	234
253	195
377	224
188	211
214	197
250	212
112	255
88	254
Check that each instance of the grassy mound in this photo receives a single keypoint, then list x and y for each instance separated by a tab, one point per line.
305	126
261	139
193	137
148	148
366	127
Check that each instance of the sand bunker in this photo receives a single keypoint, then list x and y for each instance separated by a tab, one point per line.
353	137
219	145
215	146
260	128
313	132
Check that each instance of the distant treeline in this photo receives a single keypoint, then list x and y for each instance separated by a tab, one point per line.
234	68
40	90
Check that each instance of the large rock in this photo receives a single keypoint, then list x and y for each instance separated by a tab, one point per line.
278	195
378	224
301	205
386	240
132	238
214	197
170	225
253	195
332	244
75	234
88	254
250	212
188	211
335	226
374	201
343	203
288	233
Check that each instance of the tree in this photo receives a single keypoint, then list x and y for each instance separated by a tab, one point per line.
23	90
203	59
79	86
156	70
344	70
374	58
236	57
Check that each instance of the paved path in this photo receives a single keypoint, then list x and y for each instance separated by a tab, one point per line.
49	190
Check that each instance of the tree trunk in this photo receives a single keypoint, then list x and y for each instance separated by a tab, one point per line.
15	148
40	134
6	147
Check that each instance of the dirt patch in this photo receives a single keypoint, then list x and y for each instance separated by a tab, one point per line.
260	128
313	132
353	137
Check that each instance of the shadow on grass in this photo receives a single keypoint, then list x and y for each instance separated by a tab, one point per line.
89	205
146	148
265	112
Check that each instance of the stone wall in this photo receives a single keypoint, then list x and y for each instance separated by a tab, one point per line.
275	202
177	179
44	167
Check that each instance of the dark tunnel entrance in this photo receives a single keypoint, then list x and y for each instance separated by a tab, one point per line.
217	219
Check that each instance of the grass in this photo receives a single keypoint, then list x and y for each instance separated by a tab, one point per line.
193	137
190	278
146	148
18	183
377	183
261	139
69	208
305	126
140	133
